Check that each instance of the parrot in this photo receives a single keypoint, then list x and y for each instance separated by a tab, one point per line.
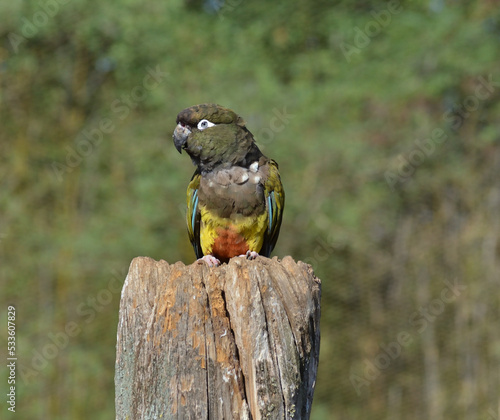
235	199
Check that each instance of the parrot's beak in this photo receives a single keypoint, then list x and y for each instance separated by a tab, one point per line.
180	136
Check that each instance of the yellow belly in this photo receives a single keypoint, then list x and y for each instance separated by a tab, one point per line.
230	236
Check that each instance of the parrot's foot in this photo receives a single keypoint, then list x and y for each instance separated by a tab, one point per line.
210	260
250	255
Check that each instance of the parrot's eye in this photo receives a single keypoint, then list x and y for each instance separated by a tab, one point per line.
204	124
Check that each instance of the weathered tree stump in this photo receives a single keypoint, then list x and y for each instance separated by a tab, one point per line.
240	341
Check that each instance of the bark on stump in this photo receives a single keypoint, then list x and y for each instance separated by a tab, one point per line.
240	341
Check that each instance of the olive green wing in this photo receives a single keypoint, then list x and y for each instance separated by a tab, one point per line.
193	215
275	203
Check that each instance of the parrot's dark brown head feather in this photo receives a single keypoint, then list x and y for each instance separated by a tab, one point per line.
215	113
214	137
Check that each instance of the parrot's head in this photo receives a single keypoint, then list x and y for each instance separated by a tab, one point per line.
214	136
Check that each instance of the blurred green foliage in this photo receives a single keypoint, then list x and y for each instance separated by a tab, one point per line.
389	211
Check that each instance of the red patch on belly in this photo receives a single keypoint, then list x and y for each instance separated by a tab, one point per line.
228	244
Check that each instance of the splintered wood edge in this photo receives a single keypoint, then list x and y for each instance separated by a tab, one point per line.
149	274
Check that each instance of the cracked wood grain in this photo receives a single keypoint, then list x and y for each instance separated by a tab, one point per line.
239	341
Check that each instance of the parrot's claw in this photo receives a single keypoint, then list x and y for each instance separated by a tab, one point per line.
250	255
210	260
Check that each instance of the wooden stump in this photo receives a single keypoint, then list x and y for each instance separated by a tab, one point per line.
239	341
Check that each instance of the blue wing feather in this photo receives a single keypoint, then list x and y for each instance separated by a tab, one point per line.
275	202
193	215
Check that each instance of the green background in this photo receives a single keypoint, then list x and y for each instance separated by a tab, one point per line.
384	119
